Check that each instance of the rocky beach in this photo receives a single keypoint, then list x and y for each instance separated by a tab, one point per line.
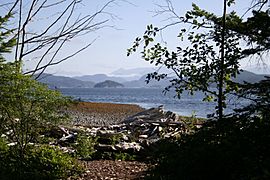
101	114
132	128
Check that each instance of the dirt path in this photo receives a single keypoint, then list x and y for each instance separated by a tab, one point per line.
114	170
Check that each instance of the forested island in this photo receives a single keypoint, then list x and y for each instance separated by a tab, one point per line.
108	84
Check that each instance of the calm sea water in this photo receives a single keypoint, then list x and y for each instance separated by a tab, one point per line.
150	97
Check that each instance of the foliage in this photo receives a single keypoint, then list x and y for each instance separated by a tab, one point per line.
159	151
42	162
192	122
3	153
6	43
259	95
123	156
85	146
197	62
26	106
53	163
256	31
233	148
111	155
236	147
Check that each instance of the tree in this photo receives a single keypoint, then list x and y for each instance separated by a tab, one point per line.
235	147
26	105
6	44
210	58
255	30
259	95
44	28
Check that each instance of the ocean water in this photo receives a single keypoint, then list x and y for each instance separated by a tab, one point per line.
151	97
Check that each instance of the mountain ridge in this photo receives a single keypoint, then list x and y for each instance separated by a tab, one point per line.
63	82
97	78
75	82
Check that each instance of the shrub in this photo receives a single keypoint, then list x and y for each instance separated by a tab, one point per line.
233	148
26	106
85	146
123	156
3	154
42	162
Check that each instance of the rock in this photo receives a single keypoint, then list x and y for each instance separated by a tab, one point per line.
132	134
105	147
128	146
12	144
57	132
65	131
67	150
143	136
69	138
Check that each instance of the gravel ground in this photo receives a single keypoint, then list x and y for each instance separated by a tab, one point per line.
114	170
101	114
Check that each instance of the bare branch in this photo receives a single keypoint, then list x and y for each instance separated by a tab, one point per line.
54	4
50	39
19	28
64	26
254	4
59	61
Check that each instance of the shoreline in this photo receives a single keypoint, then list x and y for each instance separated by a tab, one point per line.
105	114
101	114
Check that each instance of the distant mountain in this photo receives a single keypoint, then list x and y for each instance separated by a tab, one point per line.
63	82
248	77
136	71
103	80
108	84
99	78
258	69
131	72
243	76
141	83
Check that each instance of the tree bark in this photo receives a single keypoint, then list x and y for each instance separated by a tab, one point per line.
221	97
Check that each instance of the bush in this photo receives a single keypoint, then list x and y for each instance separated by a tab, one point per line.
234	148
26	106
3	154
85	146
111	155
42	162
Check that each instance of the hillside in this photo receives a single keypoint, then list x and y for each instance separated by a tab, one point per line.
102	80
141	83
63	82
97	78
108	84
246	76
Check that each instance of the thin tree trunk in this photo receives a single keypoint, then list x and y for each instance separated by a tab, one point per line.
221	97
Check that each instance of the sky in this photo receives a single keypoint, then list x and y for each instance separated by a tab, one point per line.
108	52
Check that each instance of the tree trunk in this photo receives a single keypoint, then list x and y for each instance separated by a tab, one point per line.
221	97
